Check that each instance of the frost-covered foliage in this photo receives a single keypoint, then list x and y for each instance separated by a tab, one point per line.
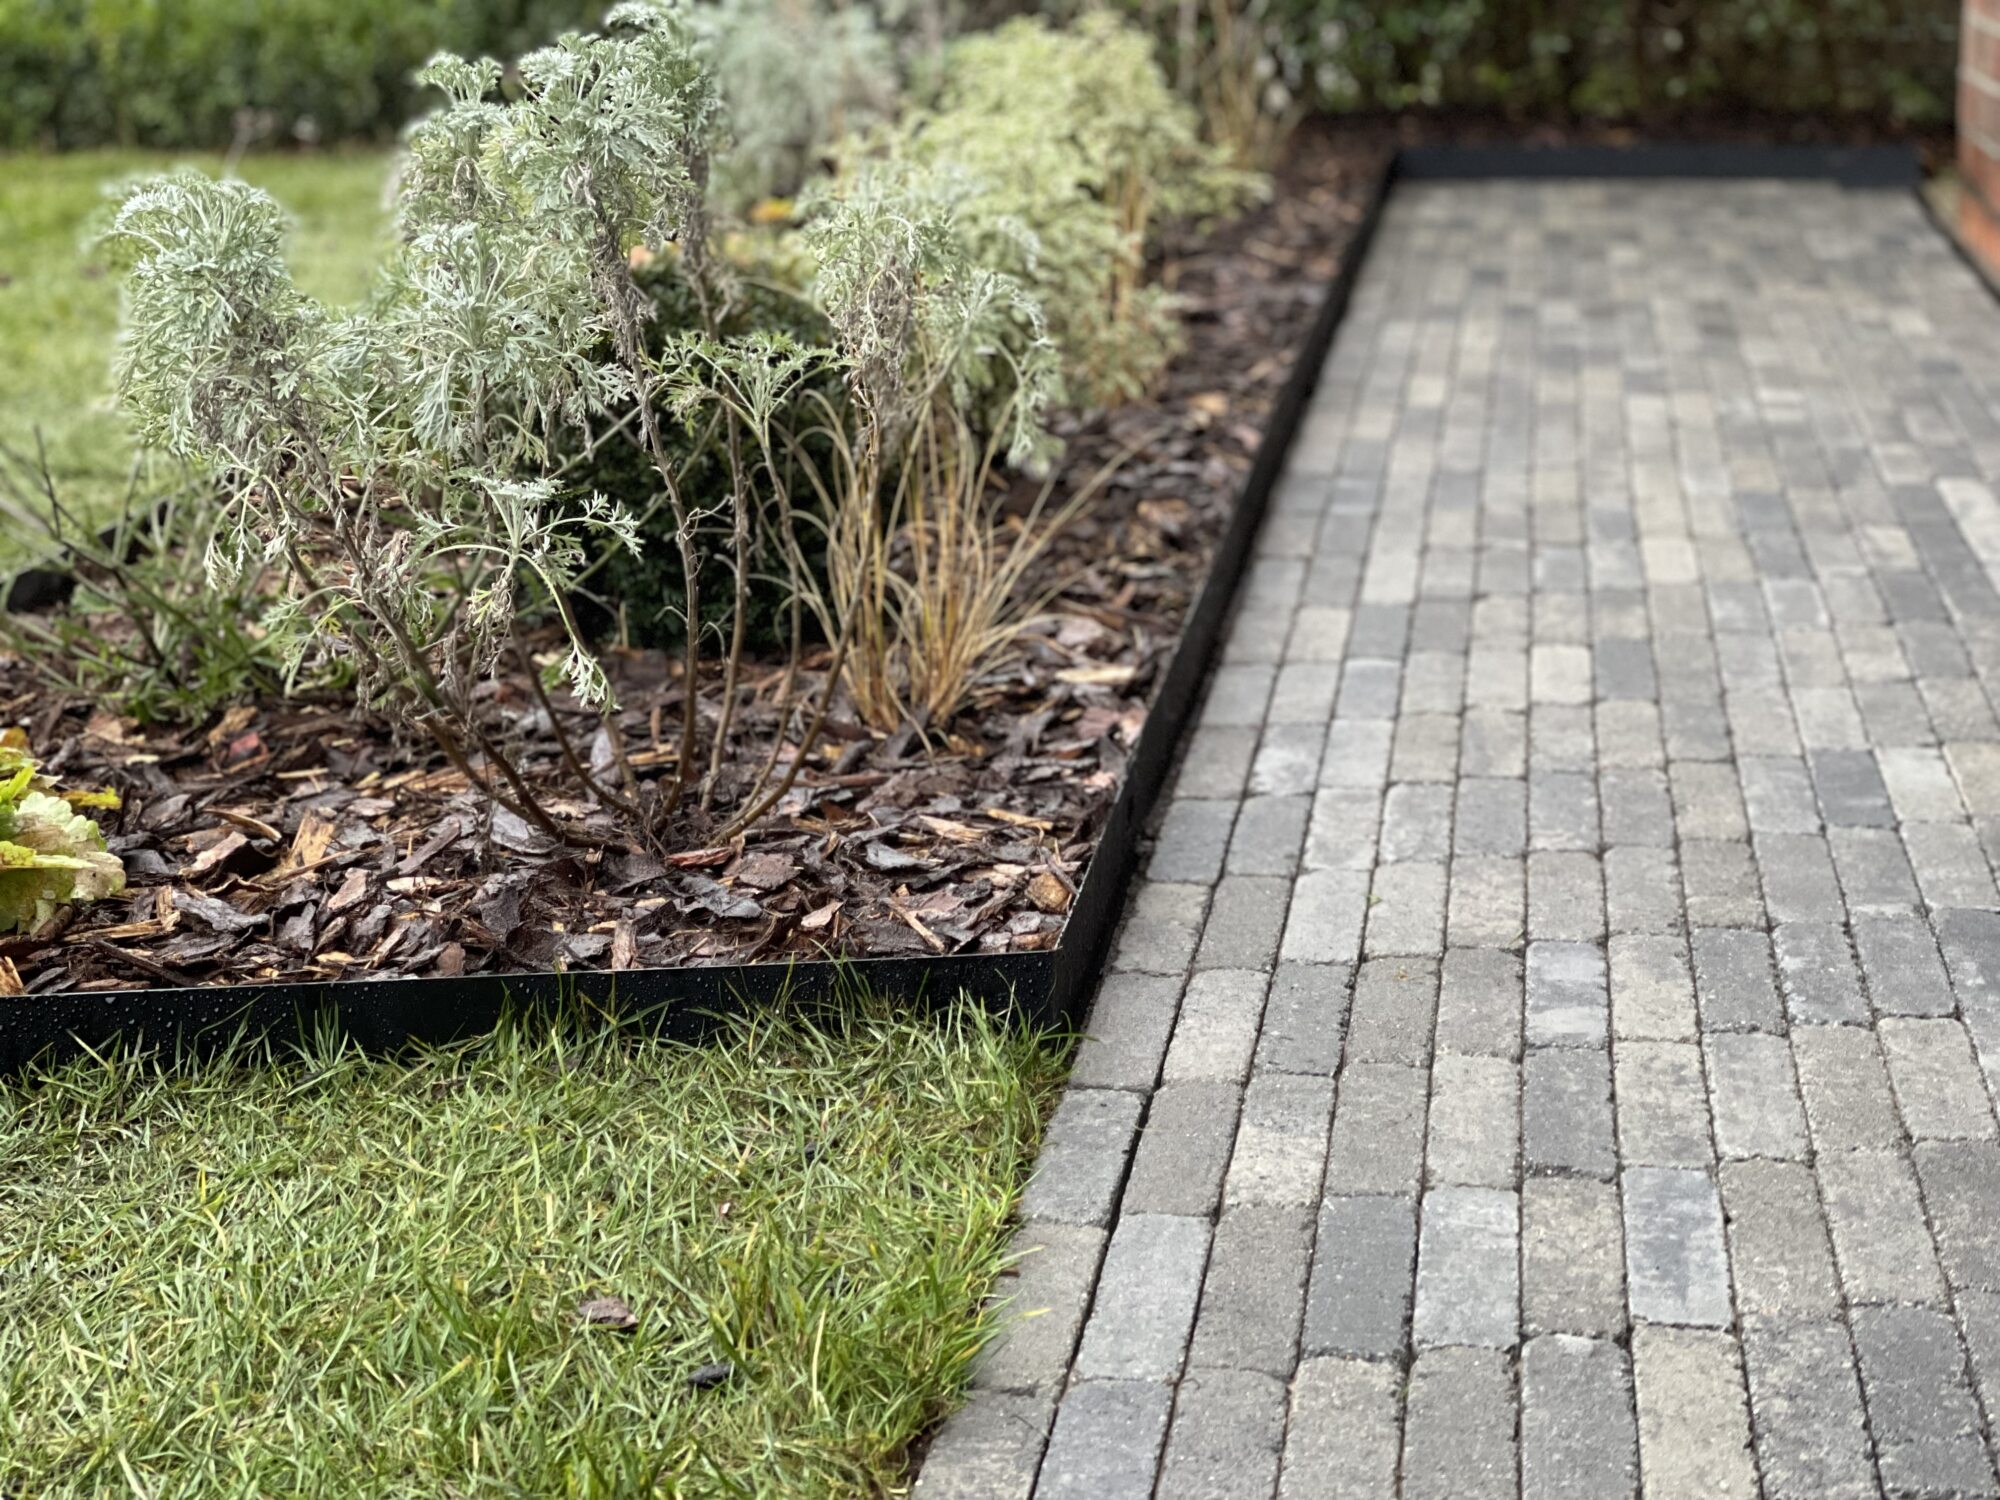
51	854
918	314
798	77
1074	148
394	461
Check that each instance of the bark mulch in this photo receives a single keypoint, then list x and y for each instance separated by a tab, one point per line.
307	842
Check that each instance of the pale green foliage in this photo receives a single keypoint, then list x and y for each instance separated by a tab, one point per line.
387	459
342	440
798	76
51	855
1075	148
922	585
918	314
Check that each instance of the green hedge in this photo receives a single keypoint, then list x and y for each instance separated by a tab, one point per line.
1886	60
176	72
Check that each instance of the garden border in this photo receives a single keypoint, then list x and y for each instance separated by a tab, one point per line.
1051	986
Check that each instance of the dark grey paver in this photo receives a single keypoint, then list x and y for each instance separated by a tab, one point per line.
1358	1301
1184	1150
1459	1443
1566	1112
1227	1434
1805	1407
1253	1295
1920	1403
1578	1432
1107	1439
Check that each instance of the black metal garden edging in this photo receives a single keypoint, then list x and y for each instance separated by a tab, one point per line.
1885	166
1050	986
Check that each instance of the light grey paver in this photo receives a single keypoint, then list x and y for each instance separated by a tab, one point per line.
1694	1426
1474	1122
1754	1094
1879	1236
1675	1263
1139	1324
1779	1257
1572	1258
1568	1004
1468	1259
1084	1152
1280	1153
1043	1298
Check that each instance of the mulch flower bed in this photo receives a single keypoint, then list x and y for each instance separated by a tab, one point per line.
307	842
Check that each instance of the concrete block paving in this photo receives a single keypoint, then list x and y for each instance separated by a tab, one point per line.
1552	1049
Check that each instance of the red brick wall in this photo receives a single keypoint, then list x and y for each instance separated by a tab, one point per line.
1979	127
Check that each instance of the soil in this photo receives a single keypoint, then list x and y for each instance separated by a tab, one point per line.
292	842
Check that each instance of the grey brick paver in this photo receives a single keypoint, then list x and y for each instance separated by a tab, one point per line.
1459	1443
1578	1437
1227	1434
1253	1295
1344	1434
1675	1263
1468	1259
1553	1048
1358	1301
1146	1292
1920	1403
1572	1258
1805	1405
1694	1425
1106	1442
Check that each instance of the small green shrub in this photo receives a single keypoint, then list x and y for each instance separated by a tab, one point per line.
638	595
798	77
1072	149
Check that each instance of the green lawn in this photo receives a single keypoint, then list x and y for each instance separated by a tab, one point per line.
336	1277
59	310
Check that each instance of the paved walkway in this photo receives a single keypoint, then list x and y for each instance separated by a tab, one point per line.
1552	1050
